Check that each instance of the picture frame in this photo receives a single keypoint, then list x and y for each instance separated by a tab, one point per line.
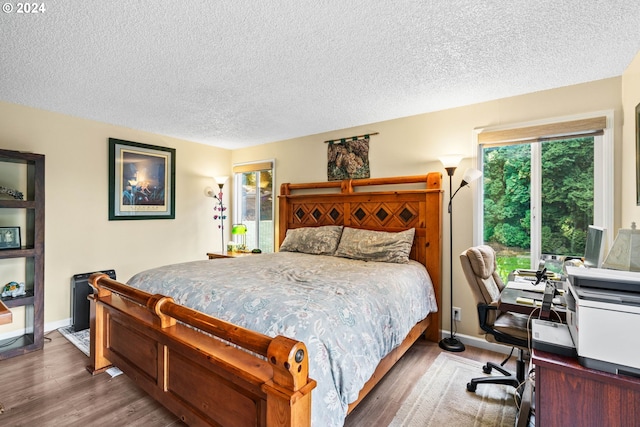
141	181
10	238
637	154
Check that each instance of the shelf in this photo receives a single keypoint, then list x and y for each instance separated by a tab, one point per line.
23	252
17	344
30	214
19	301
17	204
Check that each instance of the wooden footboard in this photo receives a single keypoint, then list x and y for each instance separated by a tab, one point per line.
202	375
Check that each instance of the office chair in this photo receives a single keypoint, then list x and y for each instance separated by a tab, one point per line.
479	266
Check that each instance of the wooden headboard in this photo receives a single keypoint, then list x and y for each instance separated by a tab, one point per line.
382	204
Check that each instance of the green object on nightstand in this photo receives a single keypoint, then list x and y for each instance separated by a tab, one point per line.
240	230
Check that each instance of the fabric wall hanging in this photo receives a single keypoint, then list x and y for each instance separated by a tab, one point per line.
348	158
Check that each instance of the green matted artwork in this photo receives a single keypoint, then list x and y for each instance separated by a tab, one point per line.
348	159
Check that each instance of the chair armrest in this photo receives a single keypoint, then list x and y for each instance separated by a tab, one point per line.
486	310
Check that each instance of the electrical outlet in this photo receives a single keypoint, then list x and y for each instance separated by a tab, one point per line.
457	314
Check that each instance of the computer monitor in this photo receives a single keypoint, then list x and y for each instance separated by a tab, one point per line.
594	248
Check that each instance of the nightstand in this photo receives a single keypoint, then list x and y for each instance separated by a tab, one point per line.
214	255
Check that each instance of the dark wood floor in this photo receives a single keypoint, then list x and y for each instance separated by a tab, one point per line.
52	388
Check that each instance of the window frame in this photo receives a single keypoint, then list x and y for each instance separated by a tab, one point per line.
603	178
254	166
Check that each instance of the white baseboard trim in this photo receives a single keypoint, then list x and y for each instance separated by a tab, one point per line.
478	342
12	334
48	327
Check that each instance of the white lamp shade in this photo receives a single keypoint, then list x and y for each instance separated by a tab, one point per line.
625	252
220	180
451	160
471	175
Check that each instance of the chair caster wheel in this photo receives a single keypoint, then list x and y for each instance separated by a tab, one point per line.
486	369
471	387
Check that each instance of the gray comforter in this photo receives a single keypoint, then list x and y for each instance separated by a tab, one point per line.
349	313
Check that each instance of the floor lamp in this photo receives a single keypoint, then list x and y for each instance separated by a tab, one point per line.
221	208
450	164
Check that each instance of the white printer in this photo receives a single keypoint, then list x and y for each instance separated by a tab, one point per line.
603	314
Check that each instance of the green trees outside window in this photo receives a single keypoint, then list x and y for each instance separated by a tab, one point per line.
563	171
254	207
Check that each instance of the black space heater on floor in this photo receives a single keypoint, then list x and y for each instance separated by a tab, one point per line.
80	290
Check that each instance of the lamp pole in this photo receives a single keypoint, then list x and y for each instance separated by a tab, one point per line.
450	163
451	343
221	207
220	180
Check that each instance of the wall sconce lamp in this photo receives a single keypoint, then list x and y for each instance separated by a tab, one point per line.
450	163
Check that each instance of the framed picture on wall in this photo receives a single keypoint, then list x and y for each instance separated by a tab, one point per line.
638	155
9	237
141	181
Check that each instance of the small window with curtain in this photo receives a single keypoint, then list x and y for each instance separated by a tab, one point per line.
253	210
542	188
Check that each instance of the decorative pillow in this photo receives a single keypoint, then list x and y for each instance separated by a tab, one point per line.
312	240
368	245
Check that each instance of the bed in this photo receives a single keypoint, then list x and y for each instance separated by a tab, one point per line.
219	370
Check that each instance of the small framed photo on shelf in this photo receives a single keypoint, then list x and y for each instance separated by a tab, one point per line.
9	237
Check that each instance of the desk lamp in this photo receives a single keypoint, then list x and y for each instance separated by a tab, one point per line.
450	164
240	230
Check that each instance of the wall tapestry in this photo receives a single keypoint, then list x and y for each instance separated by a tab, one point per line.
348	159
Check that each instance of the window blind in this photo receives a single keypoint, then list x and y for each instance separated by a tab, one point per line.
253	167
561	130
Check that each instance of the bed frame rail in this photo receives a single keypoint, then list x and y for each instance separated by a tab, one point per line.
260	381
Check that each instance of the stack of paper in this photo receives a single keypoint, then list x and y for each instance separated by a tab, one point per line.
526	285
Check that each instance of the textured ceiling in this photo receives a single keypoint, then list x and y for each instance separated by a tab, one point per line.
235	73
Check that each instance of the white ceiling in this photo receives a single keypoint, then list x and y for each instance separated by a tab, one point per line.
236	73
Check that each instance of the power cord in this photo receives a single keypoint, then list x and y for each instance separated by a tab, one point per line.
10	342
531	377
531	373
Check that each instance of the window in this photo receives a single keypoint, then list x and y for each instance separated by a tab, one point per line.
254	204
542	187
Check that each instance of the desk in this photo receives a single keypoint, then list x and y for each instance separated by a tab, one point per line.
568	394
508	302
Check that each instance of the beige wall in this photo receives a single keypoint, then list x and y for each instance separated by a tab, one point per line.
79	238
412	145
630	98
